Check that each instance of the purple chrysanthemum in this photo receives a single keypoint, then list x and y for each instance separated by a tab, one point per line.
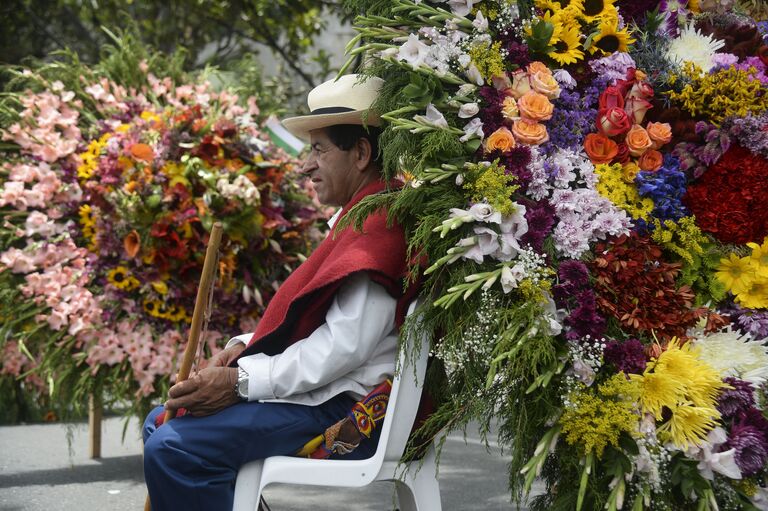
490	113
751	448
574	272
628	356
736	400
540	217
584	320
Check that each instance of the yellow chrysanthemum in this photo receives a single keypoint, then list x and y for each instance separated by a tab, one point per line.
702	381
756	296
568	47
610	39
121	278
595	10
759	258
688	425
736	273
658	391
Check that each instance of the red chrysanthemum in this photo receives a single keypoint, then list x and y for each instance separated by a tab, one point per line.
635	286
731	198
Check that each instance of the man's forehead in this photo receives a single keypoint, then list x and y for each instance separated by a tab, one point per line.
319	135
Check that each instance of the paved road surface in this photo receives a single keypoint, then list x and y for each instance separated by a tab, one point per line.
41	471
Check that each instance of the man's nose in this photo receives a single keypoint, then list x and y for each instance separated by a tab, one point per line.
309	165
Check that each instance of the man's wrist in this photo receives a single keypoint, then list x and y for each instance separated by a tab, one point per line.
241	385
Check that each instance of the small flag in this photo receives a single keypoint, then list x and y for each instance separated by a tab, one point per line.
283	138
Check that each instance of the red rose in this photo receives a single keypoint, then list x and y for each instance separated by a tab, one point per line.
642	90
623	155
611	98
613	121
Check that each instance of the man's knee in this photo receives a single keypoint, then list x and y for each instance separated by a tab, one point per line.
149	426
162	450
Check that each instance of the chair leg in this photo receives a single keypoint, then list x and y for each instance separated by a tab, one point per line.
419	490
247	487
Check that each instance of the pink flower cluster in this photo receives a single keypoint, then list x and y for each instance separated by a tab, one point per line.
14	363
48	125
36	186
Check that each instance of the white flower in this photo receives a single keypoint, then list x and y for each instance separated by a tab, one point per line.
760	499
466	89
693	46
710	462
565	79
486	243
473	129
480	23
461	7
413	51
433	117
482	212
468	110
734	354
474	75
511	277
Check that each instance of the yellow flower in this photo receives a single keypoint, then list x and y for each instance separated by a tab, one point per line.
153	307
150	117
688	425
759	258
121	278
756	296
572	7
595	10
702	381
658	391
610	39
567	49
736	273
160	286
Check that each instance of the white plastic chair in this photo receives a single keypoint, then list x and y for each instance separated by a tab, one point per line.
416	482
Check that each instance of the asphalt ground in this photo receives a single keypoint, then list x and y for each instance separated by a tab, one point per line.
46	467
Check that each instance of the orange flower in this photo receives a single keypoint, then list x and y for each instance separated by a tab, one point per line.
600	148
638	140
521	83
538	67
651	160
509	109
132	244
535	106
545	83
501	139
142	152
527	132
659	132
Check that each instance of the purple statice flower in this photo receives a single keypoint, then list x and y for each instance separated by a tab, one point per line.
572	119
750	131
738	399
628	356
759	69
751	448
613	67
762	26
540	217
666	187
722	61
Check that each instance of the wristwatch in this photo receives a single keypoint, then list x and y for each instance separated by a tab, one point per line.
241	387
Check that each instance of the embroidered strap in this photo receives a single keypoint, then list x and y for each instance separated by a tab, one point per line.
344	436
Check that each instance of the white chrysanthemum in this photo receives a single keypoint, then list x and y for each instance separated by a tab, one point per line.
693	46
734	354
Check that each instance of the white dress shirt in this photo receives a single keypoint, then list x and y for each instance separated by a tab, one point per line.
352	352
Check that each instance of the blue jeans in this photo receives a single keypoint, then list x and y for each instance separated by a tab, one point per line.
191	463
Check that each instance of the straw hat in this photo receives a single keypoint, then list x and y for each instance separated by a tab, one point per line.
342	101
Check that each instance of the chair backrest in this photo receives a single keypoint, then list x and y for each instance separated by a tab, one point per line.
405	395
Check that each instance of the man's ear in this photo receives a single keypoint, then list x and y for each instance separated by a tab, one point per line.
363	153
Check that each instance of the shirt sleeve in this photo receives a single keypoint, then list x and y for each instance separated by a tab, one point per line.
361	315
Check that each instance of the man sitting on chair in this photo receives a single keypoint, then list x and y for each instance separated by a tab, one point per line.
327	338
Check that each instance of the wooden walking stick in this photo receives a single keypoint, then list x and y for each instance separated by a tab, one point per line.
193	339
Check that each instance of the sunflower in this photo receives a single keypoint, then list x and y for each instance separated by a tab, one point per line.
688	425
571	6
568	47
736	273
610	39
152	307
554	19
597	10
121	278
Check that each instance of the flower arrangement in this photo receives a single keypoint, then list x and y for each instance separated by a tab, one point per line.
108	194
584	193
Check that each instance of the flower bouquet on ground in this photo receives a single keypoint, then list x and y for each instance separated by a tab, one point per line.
108	193
586	182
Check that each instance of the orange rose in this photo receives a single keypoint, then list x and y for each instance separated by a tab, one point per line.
527	132
521	83
638	140
509	109
538	67
501	139
660	133
545	83
651	160
600	148
535	106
